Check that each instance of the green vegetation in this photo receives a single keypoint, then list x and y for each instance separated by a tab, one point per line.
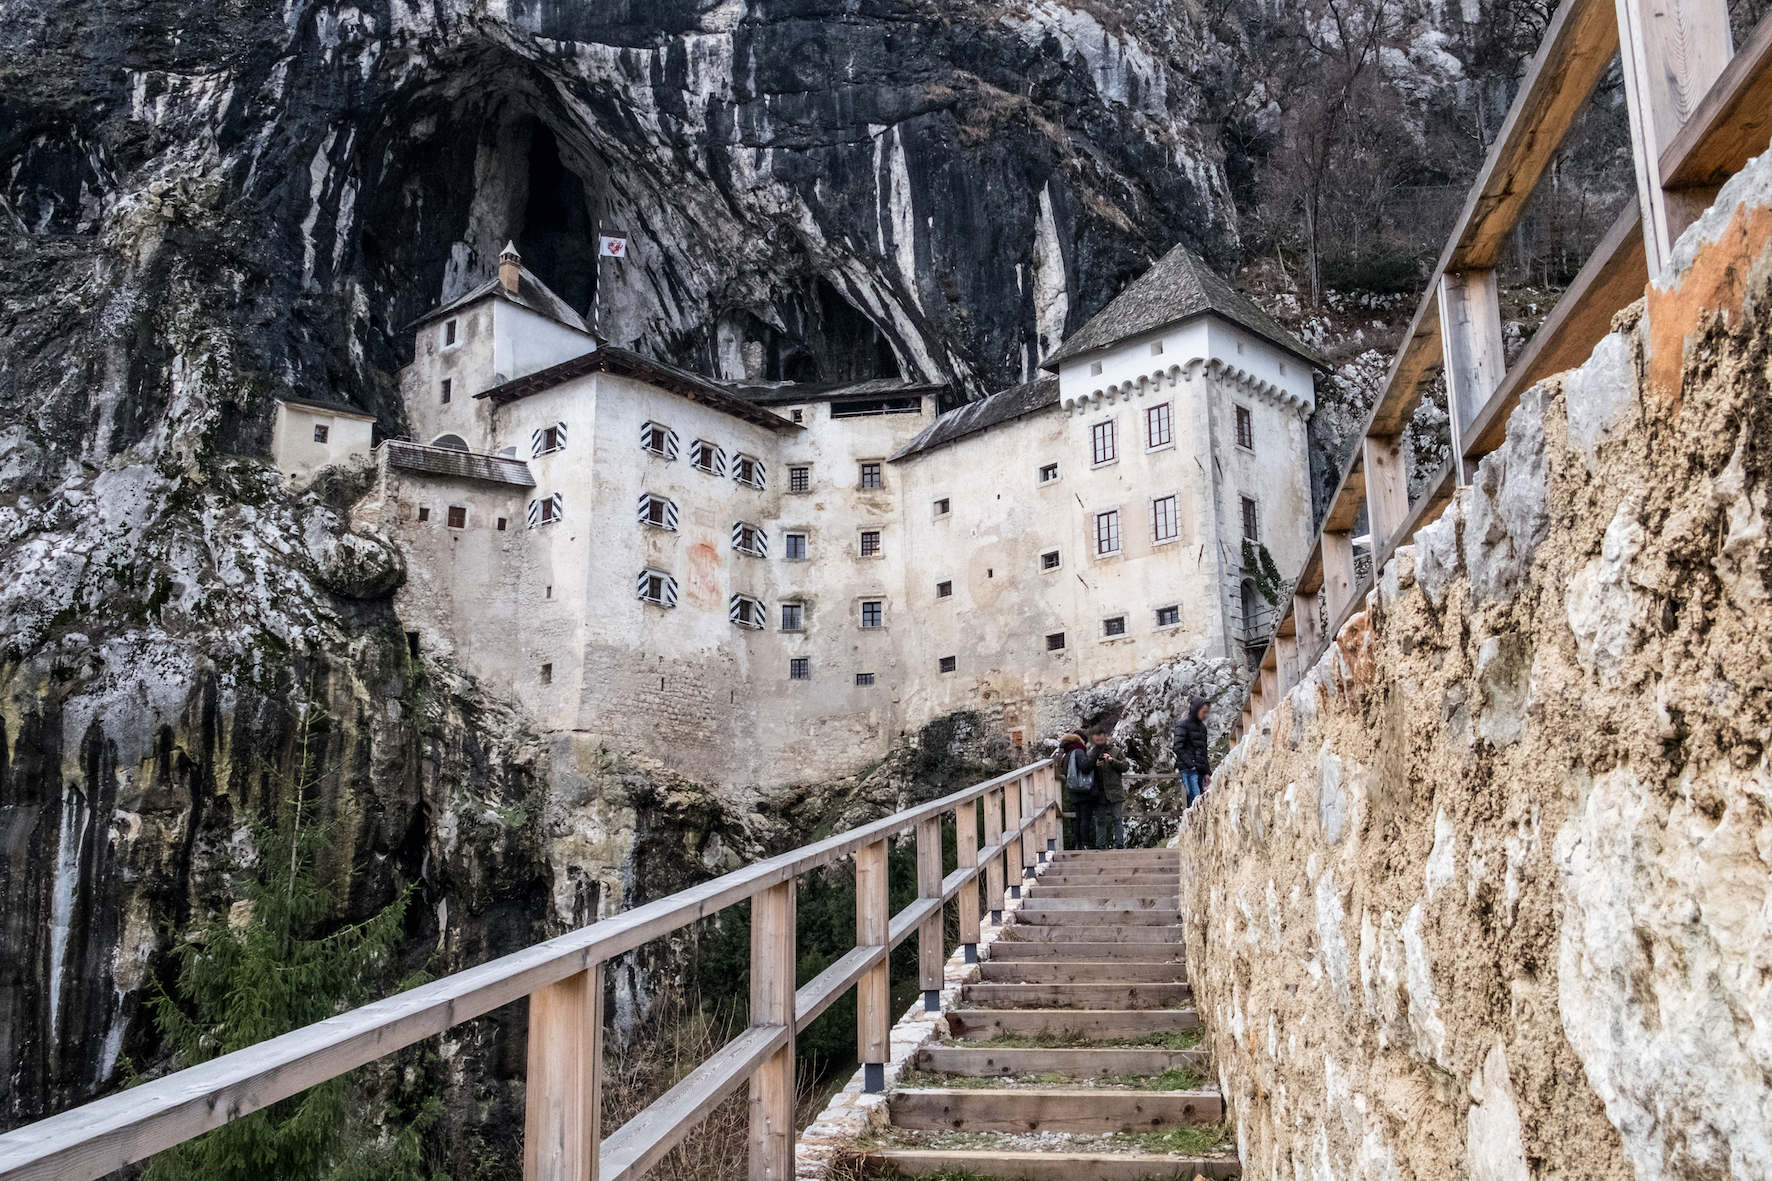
1259	565
1188	1141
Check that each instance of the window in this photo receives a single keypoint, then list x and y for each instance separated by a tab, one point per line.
1048	473
1165	519
320	433
871	612
748	539
1055	642
800	668
1250	530
424	514
1095	369
746	612
1245	428
501	524
794	547
1049	560
868	407
545	510
1114	625
458	516
659	439
799	479
799	416
657	588
1107	532
870	543
547	674
1156	348
1158	428
944	590
547	592
1102	440
864	679
448	333
546	440
943	507
748	471
1169	616
793	617
870	476
948	664
707	458
657	511
448	385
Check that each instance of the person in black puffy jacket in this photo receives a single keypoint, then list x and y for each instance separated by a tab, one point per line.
1191	745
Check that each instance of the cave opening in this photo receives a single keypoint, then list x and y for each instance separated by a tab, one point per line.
820	337
558	237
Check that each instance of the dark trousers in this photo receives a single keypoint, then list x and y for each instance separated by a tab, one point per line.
1084	827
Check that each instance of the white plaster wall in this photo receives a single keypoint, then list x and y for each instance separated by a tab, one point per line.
1204	340
468	363
525	343
294	450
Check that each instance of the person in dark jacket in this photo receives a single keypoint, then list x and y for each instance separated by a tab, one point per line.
1110	791
1192	756
1076	783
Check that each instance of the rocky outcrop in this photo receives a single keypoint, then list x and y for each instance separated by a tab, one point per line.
1487	894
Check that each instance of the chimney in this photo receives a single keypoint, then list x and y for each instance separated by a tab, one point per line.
509	262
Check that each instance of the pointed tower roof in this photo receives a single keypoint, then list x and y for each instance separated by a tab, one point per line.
1177	287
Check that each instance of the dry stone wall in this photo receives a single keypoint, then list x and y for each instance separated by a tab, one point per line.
1489	894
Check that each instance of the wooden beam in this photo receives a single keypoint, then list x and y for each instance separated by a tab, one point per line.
1305	612
1350	498
1672	50
873	998
930	956
1012	855
1731	124
993	870
1612	278
772	1003
1288	646
1424	512
966	850
561	1099
1338	573
1475	356
1413	367
1387	486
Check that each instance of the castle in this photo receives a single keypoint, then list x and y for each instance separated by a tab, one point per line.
768	583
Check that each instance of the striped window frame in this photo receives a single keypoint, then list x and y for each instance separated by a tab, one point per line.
750	539
746	611
547	440
707	457
656	587
749	471
660	512
545	510
659	439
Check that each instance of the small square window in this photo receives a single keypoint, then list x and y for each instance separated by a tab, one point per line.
1114	625
1048	473
1102	442
747	471
424	514
870	476
1251	530
658	512
1156	348
1049	560
1245	428
448	332
799	479
799	416
657	439
747	612
793	617
944	590
871	613
942	507
706	457
501	524
948	664
1169	616
870	543
458	516
793	547
800	668
748	539
547	674
320	433
448	386
1055	642
864	679
1095	369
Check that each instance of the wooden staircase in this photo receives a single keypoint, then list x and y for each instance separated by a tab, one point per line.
1071	1056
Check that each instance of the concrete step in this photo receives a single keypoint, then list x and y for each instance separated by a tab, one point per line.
1022	951
1079	972
1057	1166
1077	996
1077	1024
1118	916
1107	932
1108	1062
1043	901
1030	1109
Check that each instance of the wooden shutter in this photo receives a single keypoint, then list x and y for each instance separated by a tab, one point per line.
670	443
738	535
534	515
559	505
559	436
670	591
643	511
535	443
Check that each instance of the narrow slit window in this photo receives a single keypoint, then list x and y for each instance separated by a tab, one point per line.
448	332
501	524
1107	532
448	387
1095	369
1245	428
424	514
1159	425
547	674
943	507
1101	437
1156	348
799	416
1165	519
321	433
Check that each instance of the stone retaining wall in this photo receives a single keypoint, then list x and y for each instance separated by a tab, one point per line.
1489	895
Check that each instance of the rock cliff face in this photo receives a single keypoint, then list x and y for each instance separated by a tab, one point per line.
1486	894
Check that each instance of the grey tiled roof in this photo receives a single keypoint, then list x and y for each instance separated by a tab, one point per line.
531	293
1178	286
1003	406
786	392
465	465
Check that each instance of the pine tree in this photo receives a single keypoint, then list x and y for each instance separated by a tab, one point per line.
241	982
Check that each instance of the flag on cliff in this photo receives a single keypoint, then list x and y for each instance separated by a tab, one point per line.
612	246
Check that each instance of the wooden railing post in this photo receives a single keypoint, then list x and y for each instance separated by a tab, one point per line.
1033	842
873	993
1387	490
772	1003
993	836
1338	574
1310	643
929	957
1475	358
565	1074
1012	823
966	849
1054	797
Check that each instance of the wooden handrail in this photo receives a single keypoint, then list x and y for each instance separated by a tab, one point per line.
563	979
